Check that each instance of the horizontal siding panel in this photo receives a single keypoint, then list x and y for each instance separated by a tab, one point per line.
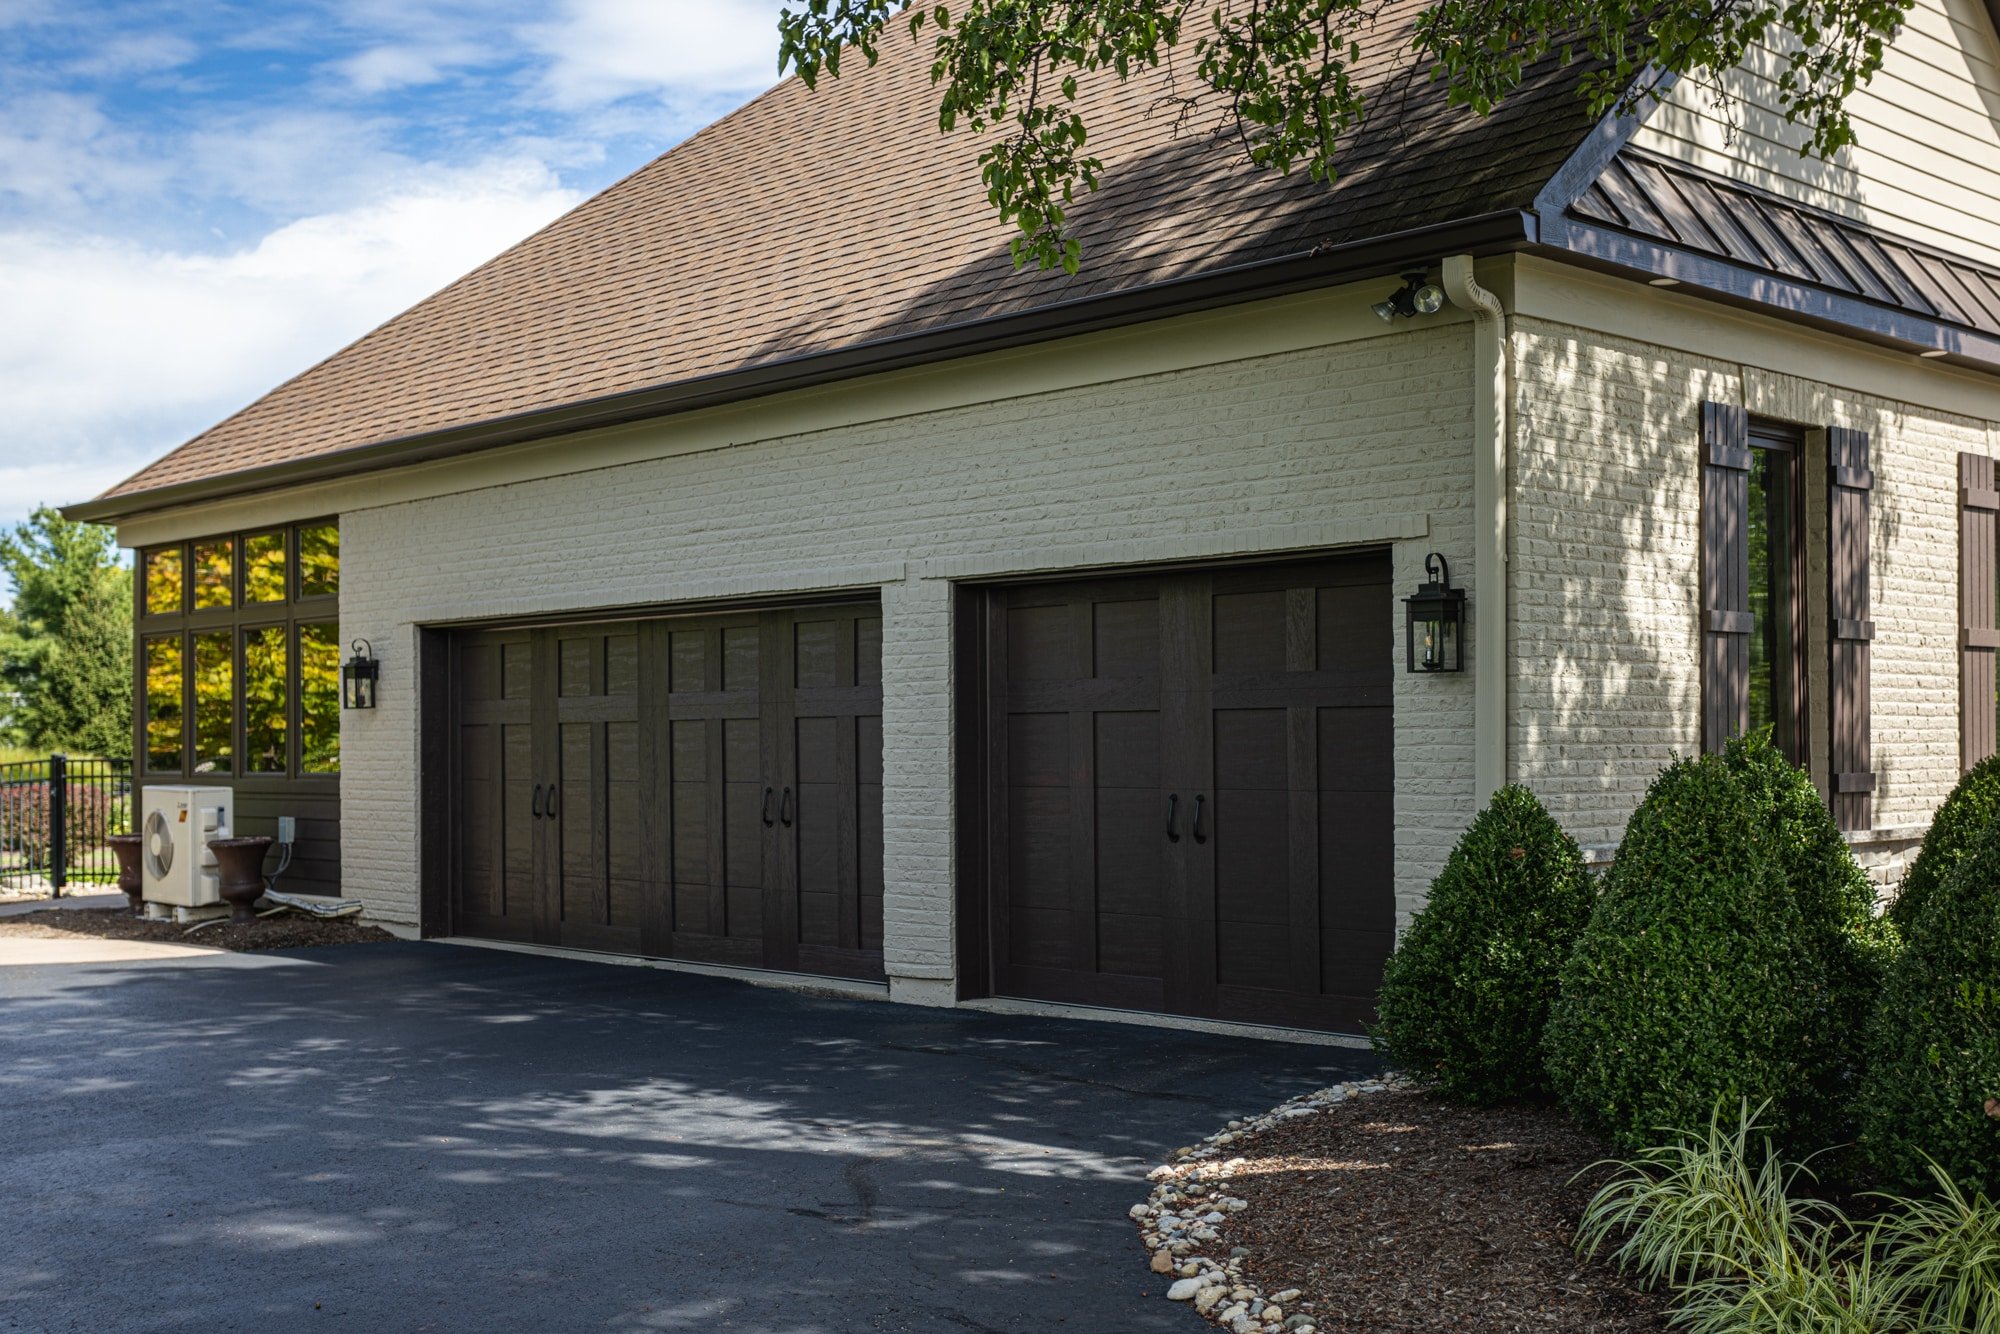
1928	162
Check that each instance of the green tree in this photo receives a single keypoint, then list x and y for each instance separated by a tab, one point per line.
1283	73
66	645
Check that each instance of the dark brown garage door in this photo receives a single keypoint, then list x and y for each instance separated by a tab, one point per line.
704	788
1189	798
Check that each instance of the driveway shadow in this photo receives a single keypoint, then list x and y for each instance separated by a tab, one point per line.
426	1137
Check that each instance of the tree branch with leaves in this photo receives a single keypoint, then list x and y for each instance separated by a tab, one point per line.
1286	71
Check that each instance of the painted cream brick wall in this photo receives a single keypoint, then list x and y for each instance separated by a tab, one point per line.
1349	442
1606	679
1605	559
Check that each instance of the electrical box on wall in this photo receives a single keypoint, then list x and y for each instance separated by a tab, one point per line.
176	824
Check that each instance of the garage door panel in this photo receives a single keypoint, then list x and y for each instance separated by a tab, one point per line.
625	828
868	651
819	751
1128	750
621	665
819	918
1260	694
742	648
1038	863
1357	749
1250	749
1125	639
1357	862
690	840
1129	851
1038	750
1252	836
1129	944
1354	633
478	672
1351	961
517	670
1041	934
687	661
1250	631
1041	644
1251	953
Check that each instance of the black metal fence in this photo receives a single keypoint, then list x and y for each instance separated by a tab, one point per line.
55	815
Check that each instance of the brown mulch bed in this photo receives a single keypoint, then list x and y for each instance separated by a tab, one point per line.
286	931
1397	1212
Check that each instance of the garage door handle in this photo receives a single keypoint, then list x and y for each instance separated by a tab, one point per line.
785	809
537	806
1199	837
1173	802
765	814
552	801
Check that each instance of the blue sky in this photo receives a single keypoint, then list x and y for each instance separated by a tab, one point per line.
199	200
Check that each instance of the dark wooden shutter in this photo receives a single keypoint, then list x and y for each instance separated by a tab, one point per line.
1978	637
1853	785
1725	573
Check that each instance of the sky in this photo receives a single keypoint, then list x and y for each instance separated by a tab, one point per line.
200	200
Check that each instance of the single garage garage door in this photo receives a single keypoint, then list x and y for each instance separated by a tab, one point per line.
1189	785
705	788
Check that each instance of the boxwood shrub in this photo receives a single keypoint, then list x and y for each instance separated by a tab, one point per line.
1466	994
1933	1076
1954	829
1836	903
1693	982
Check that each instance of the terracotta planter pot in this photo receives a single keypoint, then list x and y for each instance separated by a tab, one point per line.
127	847
239	863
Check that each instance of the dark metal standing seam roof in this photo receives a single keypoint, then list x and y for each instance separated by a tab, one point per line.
1659	200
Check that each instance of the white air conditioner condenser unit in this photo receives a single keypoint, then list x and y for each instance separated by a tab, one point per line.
176	823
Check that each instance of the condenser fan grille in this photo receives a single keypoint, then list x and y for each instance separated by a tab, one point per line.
159	846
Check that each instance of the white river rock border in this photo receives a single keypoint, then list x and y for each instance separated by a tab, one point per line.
1190	1196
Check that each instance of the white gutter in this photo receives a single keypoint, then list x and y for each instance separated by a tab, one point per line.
1491	665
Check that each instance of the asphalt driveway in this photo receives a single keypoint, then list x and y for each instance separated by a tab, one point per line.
432	1137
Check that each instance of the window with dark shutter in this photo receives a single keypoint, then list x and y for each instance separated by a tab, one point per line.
1725	573
1849	628
1978	633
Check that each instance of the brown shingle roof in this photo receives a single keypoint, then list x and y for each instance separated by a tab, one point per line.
814	221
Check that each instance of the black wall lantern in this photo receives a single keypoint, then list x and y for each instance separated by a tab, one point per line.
358	676
1435	624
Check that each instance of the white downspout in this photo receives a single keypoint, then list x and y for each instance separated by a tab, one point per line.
1491	665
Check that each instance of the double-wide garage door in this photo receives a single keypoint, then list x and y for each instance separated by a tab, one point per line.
1189	791
704	788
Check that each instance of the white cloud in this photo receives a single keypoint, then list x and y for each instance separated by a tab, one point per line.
113	353
382	68
603	50
135	53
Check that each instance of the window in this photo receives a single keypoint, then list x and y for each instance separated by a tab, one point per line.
162	656
319	561
214	574
1777	589
214	701
264	568
240	652
319	699
266	700
163	582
